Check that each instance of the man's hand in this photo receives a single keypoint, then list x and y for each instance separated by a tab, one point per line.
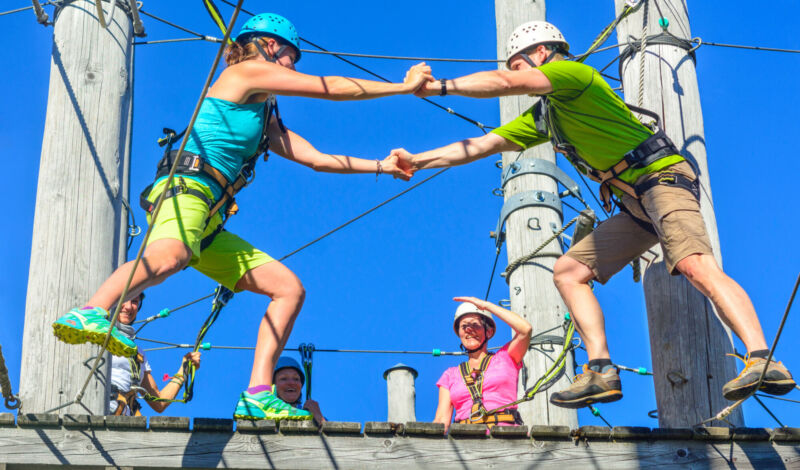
405	160
396	167
417	76
430	88
193	357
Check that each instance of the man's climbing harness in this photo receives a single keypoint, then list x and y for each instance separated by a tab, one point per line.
306	355
221	298
12	401
547	380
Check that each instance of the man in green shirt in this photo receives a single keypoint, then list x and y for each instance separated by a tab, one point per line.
655	187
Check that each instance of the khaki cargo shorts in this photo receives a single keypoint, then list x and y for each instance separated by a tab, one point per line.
675	217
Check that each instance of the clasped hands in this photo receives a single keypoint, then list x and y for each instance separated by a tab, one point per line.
420	82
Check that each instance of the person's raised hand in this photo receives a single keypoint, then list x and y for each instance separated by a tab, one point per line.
194	358
417	76
481	304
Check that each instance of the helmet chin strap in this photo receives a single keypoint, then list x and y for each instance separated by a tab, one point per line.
530	61
263	52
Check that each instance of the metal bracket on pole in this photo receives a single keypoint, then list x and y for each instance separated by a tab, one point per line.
538	166
526	199
138	27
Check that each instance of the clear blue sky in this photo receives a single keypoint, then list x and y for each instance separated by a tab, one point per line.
386	282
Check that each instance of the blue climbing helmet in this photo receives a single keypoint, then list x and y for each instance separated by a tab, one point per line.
272	26
287	362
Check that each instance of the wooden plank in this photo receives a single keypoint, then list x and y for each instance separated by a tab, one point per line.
688	340
532	292
28	448
77	239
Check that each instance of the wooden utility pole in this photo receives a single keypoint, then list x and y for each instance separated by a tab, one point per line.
532	292
687	339
78	239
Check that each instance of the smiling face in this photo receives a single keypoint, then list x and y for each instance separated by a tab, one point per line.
472	332
128	311
288	385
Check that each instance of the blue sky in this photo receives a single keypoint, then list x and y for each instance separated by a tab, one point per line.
386	282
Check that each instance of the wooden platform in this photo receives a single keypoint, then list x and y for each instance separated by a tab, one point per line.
80	441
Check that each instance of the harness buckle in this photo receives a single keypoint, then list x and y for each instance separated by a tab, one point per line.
667	179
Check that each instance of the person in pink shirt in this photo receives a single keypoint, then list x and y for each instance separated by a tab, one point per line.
487	380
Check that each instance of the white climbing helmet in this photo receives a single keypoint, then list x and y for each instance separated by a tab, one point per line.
533	33
465	309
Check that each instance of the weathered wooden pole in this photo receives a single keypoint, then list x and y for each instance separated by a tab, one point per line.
78	239
532	292
687	339
401	393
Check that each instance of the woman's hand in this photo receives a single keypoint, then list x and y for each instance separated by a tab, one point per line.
194	357
396	167
481	304
313	407
417	76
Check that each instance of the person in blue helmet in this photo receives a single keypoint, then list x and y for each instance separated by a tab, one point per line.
289	380
237	121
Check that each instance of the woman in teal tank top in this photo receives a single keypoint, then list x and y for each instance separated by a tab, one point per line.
226	135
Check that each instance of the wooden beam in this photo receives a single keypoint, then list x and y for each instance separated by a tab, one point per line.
687	339
550	448
532	292
78	238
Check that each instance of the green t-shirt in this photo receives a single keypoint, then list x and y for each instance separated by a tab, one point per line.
589	115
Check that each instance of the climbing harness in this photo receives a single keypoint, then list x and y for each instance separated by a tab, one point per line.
127	400
652	149
306	353
473	379
547	380
12	401
190	164
221	298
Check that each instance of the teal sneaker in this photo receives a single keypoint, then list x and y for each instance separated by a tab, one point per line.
265	405
91	325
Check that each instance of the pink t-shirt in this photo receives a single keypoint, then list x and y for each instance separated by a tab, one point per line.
499	384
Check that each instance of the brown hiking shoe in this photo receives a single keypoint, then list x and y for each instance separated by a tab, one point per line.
777	380
590	387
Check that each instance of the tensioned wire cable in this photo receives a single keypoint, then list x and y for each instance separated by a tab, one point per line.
158	205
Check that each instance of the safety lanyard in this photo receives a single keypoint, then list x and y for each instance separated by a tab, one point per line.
221	297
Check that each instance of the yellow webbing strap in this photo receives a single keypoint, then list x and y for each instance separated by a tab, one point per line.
213	11
606	32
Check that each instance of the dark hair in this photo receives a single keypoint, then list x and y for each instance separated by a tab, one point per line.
141	300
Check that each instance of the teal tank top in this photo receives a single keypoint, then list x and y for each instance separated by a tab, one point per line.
226	135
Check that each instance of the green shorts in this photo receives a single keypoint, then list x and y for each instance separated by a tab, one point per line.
183	217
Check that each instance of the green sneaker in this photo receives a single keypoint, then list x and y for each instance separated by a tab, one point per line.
265	405
91	325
